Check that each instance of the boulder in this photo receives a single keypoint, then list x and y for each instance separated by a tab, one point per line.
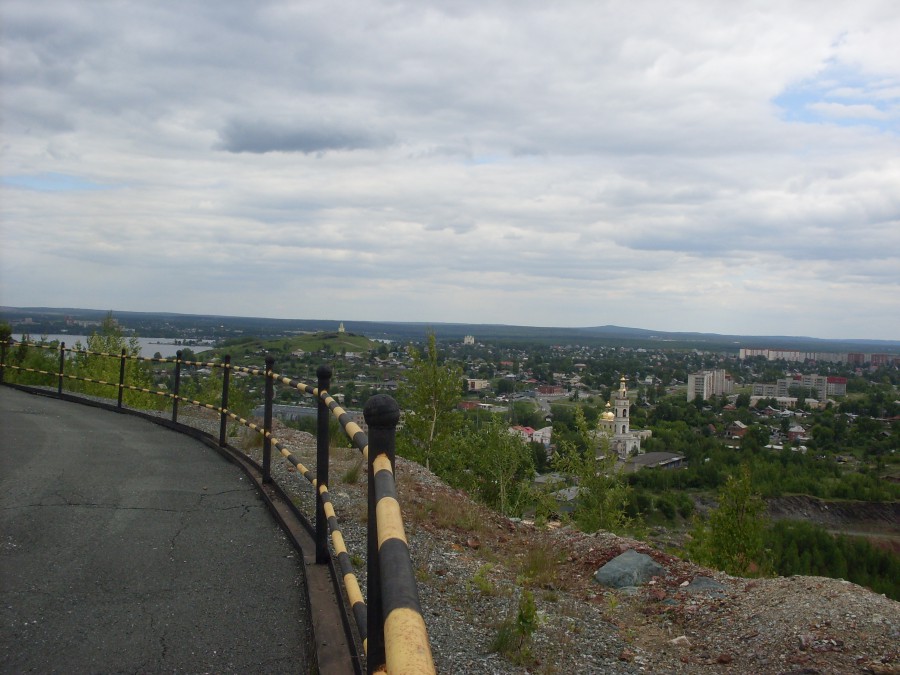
629	569
705	585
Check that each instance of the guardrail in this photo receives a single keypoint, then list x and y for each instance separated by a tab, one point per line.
391	627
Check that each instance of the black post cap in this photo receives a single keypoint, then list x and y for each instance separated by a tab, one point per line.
382	411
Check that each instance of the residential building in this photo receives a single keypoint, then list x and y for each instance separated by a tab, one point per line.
709	383
526	433
820	385
736	429
837	386
543	436
878	360
477	385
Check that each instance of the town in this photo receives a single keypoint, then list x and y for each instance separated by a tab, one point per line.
672	424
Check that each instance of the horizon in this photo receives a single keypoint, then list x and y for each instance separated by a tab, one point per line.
650	331
713	168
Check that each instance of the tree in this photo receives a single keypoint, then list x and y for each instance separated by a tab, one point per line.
111	340
603	494
496	463
732	538
22	356
429	399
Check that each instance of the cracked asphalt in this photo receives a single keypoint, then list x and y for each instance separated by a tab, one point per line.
126	547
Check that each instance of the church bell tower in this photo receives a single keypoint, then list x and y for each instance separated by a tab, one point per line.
621	403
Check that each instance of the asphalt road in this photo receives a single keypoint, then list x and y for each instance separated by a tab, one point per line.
127	547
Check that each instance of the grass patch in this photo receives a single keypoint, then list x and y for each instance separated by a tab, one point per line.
539	566
481	581
446	514
352	474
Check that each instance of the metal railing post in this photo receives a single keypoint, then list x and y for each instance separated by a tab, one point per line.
3	344
226	376
267	422
62	366
382	414
176	386
323	374
122	377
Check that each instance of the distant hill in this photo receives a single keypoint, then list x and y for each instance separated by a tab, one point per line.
158	323
248	350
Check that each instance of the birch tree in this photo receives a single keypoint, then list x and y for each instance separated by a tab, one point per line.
429	401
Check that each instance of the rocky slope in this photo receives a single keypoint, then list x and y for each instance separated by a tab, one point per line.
473	565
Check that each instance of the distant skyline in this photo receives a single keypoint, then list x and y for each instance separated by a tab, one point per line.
690	167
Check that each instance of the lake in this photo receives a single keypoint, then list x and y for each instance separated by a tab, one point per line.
149	345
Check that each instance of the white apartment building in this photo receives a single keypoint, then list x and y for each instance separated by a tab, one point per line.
822	386
709	383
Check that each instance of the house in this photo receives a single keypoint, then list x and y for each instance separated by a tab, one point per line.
477	385
796	432
649	460
549	480
543	436
551	390
736	429
527	433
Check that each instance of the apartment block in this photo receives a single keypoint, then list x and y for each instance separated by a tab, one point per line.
709	383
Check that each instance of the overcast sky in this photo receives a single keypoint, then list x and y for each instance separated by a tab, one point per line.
690	166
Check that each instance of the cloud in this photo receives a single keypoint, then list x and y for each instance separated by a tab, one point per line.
261	137
692	167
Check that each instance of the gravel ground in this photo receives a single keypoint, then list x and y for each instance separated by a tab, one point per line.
473	565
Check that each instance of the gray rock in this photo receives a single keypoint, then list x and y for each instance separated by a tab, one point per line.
705	585
629	569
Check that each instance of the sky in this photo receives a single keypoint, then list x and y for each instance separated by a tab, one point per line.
693	166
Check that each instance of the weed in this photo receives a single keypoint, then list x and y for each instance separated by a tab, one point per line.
612	602
251	439
481	581
357	560
352	474
513	639
539	567
447	514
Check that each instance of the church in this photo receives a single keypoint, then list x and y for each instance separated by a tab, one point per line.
614	423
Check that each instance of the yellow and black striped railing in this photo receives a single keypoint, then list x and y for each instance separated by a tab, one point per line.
391	626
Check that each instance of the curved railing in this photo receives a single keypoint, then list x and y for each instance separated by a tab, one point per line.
390	625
